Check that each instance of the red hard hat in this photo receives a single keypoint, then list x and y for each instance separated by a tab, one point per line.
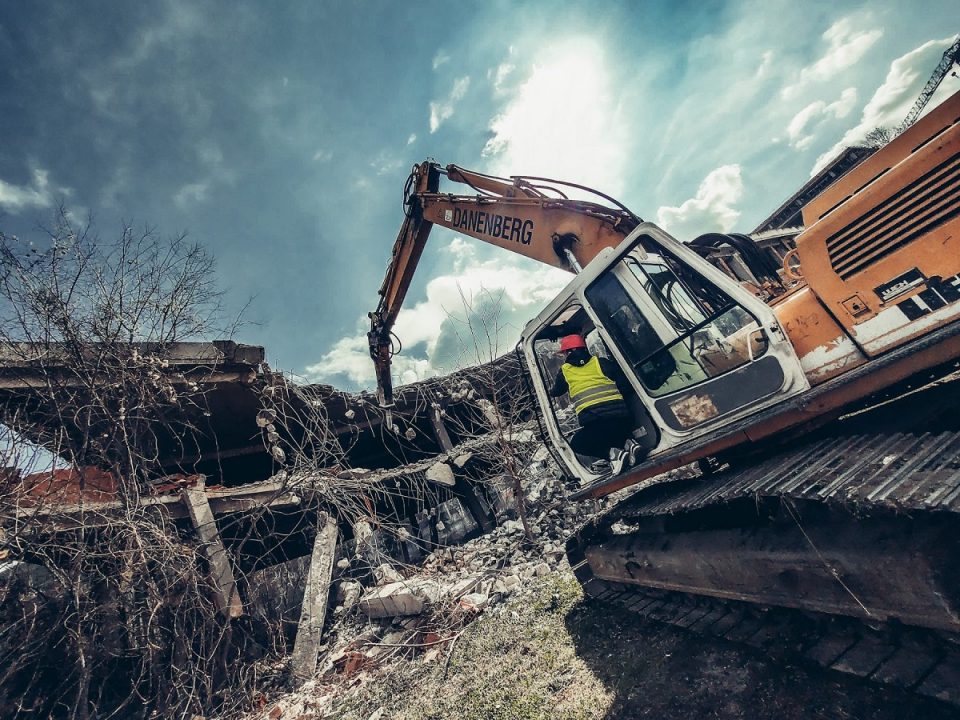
571	342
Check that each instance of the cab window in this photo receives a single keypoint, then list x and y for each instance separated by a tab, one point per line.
675	328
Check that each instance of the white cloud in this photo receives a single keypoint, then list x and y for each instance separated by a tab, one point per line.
564	121
181	21
766	65
711	210
412	139
846	45
893	99
385	163
440	58
441	110
469	315
801	129
322	155
214	172
501	75
38	194
191	194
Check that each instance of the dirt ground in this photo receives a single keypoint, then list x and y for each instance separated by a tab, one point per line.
548	653
658	671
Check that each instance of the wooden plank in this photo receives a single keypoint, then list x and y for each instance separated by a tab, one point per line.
226	596
303	662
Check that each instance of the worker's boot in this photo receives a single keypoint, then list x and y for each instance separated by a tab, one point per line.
635	452
618	459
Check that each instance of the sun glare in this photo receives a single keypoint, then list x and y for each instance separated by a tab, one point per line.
563	121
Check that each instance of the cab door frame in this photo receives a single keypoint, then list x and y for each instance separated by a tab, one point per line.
649	236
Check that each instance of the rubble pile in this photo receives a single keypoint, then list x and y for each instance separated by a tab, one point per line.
397	613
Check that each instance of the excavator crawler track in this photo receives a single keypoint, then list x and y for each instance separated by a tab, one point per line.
923	661
845	550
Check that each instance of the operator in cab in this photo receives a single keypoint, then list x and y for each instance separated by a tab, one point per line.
596	386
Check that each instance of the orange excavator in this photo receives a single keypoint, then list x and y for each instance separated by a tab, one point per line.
856	519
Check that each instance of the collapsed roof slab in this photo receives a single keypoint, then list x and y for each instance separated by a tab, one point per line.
219	430
215	420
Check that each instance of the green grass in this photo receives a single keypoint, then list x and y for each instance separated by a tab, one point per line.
547	654
518	663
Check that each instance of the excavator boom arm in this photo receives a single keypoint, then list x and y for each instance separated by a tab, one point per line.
512	214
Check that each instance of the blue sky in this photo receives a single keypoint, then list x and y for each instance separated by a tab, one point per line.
279	135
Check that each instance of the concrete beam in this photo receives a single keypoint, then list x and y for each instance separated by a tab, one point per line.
226	597
316	592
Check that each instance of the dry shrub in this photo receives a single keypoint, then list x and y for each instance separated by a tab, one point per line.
104	614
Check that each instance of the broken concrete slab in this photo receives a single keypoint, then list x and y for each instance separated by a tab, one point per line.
474	601
385	574
461	587
401	599
397	599
391	601
442	474
462	459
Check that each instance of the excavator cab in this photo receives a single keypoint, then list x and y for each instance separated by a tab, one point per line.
697	349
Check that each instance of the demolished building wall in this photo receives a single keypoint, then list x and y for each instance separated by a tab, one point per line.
246	463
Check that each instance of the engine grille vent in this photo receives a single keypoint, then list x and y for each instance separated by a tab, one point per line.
917	209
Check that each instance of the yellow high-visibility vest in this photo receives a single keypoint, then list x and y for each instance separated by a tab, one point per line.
588	386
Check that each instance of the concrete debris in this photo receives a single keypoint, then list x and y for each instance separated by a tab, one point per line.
474	601
348	594
505	585
465	574
362	535
393	600
441	473
539	570
502	493
400	598
512	526
314	607
266	417
522	436
493	417
463	459
454	522
385	574
461	587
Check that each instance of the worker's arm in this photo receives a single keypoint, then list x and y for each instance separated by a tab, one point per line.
560	386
